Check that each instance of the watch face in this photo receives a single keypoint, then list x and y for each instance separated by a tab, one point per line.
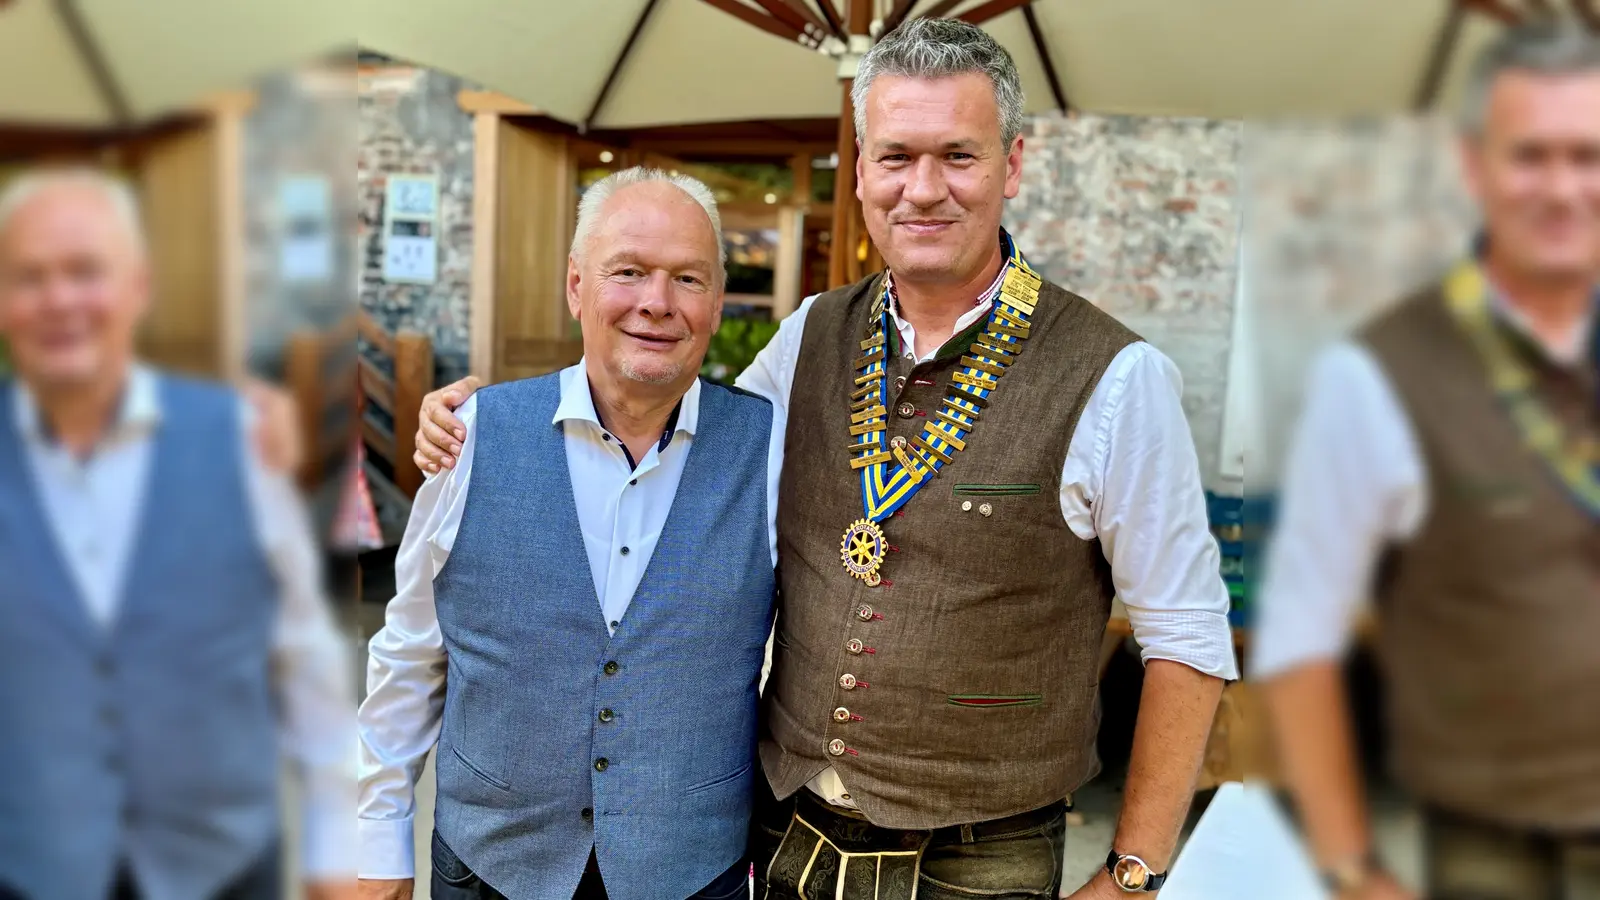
1130	873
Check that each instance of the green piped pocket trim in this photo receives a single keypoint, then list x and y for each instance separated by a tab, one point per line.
996	490
992	701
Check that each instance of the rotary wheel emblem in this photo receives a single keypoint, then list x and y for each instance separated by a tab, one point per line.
862	551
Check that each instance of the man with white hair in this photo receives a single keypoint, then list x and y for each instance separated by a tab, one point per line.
163	633
584	598
933	698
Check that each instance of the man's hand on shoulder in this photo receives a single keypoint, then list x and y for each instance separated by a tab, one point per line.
277	436
439	432
385	889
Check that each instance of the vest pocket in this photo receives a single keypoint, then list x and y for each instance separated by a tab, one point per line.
461	758
720	779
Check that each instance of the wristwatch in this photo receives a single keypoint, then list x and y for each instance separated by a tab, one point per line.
1350	875
1132	875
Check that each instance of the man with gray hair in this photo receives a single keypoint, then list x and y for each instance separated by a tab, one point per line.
584	598
933	698
1446	464
164	639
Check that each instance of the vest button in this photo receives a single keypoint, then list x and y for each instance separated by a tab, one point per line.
624	551
847	681
601	764
841	715
836	747
611	667
864	612
587	814
607	715
898	442
854	645
906	410
899	384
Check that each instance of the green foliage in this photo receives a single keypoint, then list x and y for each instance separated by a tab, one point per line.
734	347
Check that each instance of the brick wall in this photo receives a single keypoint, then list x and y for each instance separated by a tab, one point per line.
1140	215
409	122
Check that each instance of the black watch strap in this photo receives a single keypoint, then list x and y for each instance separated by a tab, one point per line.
1152	884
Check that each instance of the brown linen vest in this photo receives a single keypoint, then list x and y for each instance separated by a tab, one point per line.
1489	618
975	689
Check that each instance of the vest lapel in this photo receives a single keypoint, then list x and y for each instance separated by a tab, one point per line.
22	514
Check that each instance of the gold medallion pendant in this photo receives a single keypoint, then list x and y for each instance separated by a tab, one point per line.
862	551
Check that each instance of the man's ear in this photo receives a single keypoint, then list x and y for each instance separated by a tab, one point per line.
574	278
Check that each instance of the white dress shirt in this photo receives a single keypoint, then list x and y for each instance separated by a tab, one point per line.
94	506
1355	483
1131	479
619	506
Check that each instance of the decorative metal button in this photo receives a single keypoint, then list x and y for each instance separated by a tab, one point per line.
601	764
836	747
607	715
899	384
612	667
906	410
854	645
864	612
966	506
841	715
986	510
898	442
847	681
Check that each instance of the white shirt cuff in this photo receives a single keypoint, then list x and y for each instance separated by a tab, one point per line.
1199	639
387	848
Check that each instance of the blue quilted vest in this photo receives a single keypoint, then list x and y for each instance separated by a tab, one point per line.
558	737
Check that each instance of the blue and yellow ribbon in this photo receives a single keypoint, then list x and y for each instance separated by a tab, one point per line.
887	486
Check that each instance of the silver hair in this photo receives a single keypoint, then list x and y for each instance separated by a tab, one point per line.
939	48
1549	46
598	193
124	204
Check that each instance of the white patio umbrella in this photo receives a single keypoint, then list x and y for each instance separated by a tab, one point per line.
624	64
104	64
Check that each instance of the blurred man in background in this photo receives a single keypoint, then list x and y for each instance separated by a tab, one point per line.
1446	462
163	634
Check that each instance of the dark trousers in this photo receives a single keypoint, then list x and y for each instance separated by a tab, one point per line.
1012	858
1472	860
452	880
263	880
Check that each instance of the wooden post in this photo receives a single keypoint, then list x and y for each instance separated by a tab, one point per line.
844	265
303	372
413	377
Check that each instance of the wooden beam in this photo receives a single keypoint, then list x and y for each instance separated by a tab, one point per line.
982	14
485	221
1043	50
492	102
831	14
93	56
1494	9
938	10
750	16
786	14
800	175
898	14
844	267
1444	46
413	377
616	66
374	333
819	27
1588	14
378	387
689	148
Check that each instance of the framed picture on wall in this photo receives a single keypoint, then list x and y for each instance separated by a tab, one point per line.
410	229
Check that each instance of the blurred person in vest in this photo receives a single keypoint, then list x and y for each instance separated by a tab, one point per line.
1445	464
584	598
164	637
933	698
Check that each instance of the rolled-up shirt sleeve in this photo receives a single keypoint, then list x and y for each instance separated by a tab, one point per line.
400	719
1132	480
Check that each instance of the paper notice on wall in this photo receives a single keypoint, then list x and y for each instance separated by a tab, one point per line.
411	258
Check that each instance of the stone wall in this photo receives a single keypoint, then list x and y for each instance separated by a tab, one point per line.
1140	215
1343	219
409	122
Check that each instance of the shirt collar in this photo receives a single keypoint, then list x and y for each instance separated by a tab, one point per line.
138	413
577	402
